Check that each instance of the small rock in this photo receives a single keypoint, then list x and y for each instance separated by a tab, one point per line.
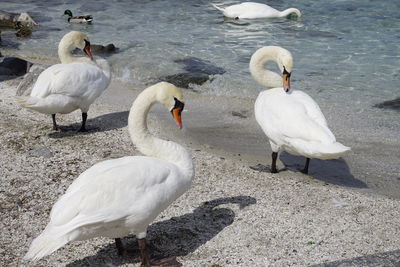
41	151
238	114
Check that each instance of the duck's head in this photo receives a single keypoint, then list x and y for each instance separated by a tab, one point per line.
171	98
285	64
67	13
76	39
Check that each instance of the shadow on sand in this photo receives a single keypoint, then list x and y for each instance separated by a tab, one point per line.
335	171
101	123
177	236
390	258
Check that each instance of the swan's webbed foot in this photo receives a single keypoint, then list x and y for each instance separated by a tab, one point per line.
305	170
146	262
274	170
260	168
263	168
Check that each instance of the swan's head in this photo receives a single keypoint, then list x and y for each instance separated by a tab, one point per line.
171	98
285	64
76	39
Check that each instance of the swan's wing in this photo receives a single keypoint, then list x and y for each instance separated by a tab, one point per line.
254	10
284	117
75	80
311	107
112	190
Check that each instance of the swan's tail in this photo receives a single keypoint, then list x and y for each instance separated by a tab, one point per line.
49	105
319	150
27	101
217	7
43	245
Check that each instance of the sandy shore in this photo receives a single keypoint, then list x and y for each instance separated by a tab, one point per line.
232	215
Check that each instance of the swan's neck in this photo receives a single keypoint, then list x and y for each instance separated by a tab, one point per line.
150	145
259	72
289	11
65	55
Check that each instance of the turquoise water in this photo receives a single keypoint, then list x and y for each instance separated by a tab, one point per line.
346	53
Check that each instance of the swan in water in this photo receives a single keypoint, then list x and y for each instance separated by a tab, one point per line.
73	84
252	10
290	118
117	197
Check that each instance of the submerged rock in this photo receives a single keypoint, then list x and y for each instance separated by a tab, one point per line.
23	31
194	64
390	104
184	79
198	71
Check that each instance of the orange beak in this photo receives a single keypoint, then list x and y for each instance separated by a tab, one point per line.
176	113
286	82
87	50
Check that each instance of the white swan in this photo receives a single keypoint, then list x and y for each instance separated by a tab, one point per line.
73	84
291	119
121	196
252	10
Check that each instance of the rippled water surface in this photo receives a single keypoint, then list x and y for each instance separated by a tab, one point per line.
346	53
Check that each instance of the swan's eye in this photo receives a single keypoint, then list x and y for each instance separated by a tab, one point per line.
178	104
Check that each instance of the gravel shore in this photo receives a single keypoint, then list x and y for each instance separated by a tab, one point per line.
231	216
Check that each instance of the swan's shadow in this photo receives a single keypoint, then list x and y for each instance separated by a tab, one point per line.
103	123
335	171
390	258
177	236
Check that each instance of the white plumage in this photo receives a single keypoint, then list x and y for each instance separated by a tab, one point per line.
121	196
291	120
73	84
252	10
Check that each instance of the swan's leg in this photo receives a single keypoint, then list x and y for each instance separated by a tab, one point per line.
273	164
144	255
305	170
84	117
120	247
55	127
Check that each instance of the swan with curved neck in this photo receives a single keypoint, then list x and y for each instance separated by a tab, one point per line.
252	10
118	197
73	84
291	119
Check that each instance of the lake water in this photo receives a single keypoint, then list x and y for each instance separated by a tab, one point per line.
346	56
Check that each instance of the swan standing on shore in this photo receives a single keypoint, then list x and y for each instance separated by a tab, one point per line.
252	10
121	196
291	119
73	84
